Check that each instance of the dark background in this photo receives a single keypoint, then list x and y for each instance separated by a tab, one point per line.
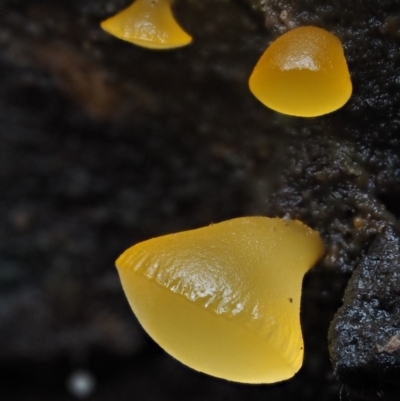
104	144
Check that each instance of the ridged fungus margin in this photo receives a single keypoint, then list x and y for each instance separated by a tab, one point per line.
148	23
225	299
303	73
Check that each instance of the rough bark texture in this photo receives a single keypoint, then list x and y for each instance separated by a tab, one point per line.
364	338
104	144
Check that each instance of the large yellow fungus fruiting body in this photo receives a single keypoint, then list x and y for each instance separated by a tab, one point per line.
225	299
303	73
148	23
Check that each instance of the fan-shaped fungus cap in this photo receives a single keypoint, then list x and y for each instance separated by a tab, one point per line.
303	73
148	23
225	299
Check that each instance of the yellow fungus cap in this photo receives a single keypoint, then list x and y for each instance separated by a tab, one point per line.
148	23
225	299
303	73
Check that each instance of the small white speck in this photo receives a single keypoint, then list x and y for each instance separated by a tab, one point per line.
81	384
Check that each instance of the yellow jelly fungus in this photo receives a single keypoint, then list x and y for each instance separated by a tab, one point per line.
148	23
225	299
303	73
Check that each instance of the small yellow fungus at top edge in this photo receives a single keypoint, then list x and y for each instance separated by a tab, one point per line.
303	73
148	23
225	299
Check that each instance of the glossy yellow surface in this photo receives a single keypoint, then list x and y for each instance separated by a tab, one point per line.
148	23
225	299
303	73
